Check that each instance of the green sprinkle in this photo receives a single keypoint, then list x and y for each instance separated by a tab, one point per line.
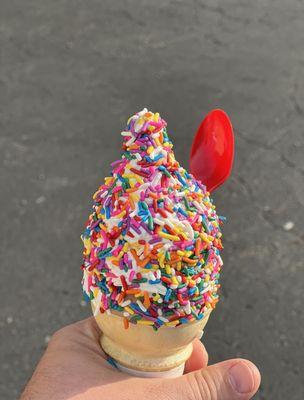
186	203
150	223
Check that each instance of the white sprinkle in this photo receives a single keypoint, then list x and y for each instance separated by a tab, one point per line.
142	112
188	229
156	179
288	226
198	206
159	222
206	289
138	156
141	306
160	300
126	314
159	311
151	276
163	319
188	308
130	141
179	278
9	319
125	303
169	223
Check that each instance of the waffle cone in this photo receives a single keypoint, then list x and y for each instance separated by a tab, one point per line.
141	348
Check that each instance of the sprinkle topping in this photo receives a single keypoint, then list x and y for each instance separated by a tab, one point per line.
152	241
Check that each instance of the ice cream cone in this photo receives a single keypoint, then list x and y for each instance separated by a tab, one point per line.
141	351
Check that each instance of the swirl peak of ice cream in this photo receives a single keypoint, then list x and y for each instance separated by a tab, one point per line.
152	241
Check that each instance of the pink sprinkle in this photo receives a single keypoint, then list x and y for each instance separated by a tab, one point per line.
131	276
117	189
105	237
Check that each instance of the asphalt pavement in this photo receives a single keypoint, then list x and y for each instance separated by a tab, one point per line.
71	73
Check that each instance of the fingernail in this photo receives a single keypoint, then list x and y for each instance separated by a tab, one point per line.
241	377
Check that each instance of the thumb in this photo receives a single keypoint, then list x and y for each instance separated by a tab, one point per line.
229	380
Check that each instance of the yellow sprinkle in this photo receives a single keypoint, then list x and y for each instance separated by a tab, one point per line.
157	142
137	178
144	322
87	245
129	310
121	214
156	297
180	253
205	238
169	237
108	180
145	271
172	323
150	149
184	235
174	280
207	278
179	266
161	258
168	269
156	117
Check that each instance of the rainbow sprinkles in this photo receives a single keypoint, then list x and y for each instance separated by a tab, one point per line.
152	241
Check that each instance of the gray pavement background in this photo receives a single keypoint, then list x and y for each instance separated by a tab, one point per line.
71	74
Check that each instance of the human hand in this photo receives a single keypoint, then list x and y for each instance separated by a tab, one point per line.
75	368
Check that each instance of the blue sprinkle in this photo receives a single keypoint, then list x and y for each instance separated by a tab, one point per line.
168	294
181	211
184	320
191	291
107	210
86	297
158	157
182	181
154	282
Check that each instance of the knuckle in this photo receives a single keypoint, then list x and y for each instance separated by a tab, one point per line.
204	386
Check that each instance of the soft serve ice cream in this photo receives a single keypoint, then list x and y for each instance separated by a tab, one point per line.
152	241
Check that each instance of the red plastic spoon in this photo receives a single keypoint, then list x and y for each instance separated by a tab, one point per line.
212	150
